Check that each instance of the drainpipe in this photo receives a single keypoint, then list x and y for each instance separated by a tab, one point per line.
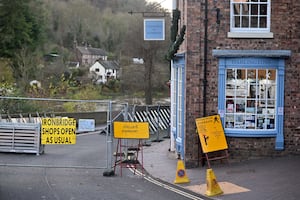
205	57
204	73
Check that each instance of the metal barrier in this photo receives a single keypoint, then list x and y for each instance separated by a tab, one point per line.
20	133
157	116
20	138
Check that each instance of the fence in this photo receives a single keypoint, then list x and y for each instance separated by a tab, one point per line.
21	132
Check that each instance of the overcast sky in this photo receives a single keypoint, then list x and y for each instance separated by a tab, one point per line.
164	3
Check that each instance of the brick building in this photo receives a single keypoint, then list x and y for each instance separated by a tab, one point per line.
239	59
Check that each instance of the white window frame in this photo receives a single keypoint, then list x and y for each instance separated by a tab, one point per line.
248	32
178	104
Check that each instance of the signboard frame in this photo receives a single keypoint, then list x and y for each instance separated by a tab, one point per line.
154	29
211	133
86	125
59	130
212	137
131	130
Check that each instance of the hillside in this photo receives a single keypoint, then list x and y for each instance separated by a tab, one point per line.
53	27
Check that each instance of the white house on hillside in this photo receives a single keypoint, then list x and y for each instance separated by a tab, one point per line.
103	70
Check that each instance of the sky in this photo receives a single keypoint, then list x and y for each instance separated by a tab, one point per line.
164	3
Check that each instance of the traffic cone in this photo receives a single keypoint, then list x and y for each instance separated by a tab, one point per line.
212	185
181	176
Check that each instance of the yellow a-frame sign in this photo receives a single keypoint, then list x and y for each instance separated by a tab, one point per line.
211	135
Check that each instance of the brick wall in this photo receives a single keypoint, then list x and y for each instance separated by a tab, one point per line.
285	25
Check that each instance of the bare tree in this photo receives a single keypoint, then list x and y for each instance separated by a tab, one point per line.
150	51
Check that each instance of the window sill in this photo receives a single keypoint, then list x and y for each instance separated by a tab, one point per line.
250	133
249	35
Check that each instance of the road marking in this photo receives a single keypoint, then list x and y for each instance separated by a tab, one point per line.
166	186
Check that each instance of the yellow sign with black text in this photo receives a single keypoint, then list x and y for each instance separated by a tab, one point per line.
211	133
58	131
131	130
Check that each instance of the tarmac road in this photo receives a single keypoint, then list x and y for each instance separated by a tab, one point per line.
71	172
72	184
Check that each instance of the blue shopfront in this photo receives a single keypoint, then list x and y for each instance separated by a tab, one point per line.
251	93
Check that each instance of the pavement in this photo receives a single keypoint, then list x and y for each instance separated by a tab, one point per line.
274	178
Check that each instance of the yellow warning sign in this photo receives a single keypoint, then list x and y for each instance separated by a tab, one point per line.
131	130
58	131
211	133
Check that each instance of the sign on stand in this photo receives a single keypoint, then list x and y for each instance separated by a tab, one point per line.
131	130
211	135
58	131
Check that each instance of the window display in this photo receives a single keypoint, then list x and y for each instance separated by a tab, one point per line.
250	98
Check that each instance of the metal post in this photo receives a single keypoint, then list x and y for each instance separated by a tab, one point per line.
109	138
157	120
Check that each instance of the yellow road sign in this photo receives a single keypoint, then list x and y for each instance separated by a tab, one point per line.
58	131
131	130
211	133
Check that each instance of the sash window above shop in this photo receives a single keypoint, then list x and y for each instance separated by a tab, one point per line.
250	18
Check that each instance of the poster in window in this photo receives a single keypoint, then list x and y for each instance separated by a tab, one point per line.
267	91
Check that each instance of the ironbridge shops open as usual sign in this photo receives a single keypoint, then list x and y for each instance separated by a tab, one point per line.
58	131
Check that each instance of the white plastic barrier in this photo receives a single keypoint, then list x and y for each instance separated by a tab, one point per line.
20	138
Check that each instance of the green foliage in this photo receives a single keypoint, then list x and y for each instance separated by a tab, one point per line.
176	40
175	46
24	25
174	26
113	85
21	34
77	72
20	27
6	74
86	93
13	106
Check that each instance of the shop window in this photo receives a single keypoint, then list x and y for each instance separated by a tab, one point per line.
251	93
250	98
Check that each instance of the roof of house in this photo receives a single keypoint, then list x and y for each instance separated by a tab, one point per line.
91	51
109	64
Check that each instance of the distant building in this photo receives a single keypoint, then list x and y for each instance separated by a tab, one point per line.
73	64
88	56
103	70
138	61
